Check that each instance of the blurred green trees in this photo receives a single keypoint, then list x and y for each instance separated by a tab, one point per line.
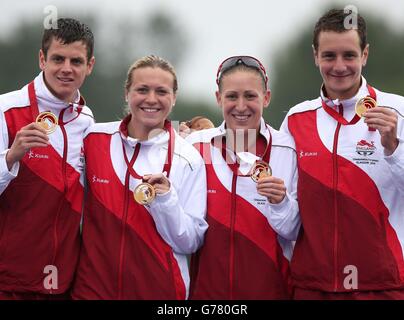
117	45
293	75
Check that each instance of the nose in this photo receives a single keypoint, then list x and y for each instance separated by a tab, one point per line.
151	97
340	65
67	67
241	105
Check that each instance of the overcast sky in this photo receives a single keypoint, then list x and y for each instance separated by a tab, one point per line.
215	29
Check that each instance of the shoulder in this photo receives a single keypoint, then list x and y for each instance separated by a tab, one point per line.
87	113
305	106
282	139
14	99
107	128
204	136
394	101
186	153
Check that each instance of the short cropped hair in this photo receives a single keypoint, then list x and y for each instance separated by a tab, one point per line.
68	31
333	20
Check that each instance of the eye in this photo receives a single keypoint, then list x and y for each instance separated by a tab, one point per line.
57	59
350	55
231	96
162	92
328	56
77	61
142	90
250	96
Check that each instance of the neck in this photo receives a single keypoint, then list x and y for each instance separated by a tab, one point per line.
346	95
242	140
69	99
141	132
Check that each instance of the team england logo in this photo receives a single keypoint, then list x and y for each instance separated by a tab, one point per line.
365	148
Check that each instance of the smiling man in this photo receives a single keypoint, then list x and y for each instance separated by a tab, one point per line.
41	133
351	175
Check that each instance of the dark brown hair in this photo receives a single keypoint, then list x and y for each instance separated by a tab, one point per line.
333	20
68	31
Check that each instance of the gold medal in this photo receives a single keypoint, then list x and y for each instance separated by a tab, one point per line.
48	121
364	105
144	193
260	170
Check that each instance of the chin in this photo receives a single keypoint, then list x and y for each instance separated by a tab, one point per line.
153	124
241	128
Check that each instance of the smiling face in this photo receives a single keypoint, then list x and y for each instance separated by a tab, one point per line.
150	98
340	60
65	68
242	98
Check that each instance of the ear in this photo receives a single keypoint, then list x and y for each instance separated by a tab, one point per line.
365	55
315	55
90	65
267	98
42	60
174	101
126	95
218	98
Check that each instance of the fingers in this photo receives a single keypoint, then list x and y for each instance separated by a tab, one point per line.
34	126
380	110
381	117
270	181
273	188
184	130
159	181
33	130
30	136
385	121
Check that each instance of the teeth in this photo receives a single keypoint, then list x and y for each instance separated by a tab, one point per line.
149	110
64	80
241	117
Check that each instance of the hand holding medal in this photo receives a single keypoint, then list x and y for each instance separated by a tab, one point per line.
30	136
48	121
152	184
385	121
260	170
267	185
364	104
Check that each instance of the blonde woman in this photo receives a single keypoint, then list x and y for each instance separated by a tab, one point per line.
147	197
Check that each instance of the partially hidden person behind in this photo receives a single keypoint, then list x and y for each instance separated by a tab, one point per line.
41	134
252	208
195	124
351	174
146	204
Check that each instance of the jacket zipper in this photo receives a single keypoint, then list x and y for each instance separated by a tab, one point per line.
335	191
232	223
65	187
123	228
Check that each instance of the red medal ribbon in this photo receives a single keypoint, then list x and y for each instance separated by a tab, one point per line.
235	166
35	110
339	115
170	151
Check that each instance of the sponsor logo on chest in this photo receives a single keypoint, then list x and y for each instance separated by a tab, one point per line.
304	154
32	155
96	179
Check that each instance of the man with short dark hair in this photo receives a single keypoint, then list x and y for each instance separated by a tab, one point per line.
351	175
41	131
